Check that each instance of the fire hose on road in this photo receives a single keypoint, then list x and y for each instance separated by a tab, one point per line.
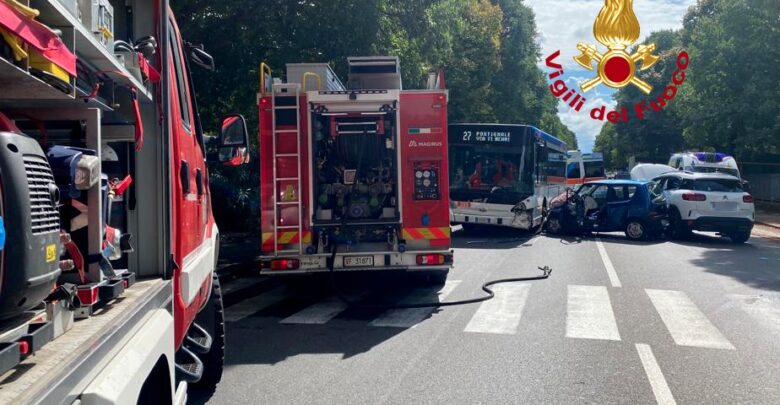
546	270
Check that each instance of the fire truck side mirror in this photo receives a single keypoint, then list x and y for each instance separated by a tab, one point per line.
233	141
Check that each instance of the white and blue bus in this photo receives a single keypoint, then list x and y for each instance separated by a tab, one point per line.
503	174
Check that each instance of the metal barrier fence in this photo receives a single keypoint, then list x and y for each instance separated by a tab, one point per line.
764	180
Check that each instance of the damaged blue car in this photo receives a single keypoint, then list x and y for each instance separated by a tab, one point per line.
608	206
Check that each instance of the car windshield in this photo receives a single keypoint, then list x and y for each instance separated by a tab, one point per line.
585	189
717	185
714	169
594	169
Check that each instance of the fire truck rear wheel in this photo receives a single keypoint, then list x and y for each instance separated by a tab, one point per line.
212	318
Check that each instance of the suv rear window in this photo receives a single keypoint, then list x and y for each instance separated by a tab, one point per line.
719	185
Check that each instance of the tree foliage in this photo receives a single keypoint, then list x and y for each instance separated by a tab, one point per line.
487	48
730	100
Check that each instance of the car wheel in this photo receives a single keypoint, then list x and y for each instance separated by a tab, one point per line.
739	237
554	225
636	230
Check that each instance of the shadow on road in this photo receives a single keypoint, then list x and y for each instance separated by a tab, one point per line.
261	339
490	237
748	263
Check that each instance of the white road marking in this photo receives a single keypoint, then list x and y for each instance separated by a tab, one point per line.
531	241
501	315
248	307
654	375
589	313
685	322
410	317
319	313
765	310
613	277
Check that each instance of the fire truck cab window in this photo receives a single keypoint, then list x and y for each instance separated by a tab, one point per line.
181	84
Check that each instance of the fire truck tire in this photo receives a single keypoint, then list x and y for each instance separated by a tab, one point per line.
212	318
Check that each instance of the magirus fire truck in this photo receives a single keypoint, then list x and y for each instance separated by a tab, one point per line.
108	292
353	177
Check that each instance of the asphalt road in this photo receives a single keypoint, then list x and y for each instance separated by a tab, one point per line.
617	322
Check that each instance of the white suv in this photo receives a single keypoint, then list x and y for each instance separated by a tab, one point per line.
706	202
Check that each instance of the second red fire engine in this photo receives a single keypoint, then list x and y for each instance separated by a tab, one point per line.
356	174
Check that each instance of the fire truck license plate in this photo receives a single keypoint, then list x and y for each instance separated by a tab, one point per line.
358	261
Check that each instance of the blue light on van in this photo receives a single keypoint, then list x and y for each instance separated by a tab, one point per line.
2	234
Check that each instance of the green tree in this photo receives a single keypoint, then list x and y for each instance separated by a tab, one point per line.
731	99
487	48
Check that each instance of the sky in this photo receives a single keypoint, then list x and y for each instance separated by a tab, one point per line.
563	23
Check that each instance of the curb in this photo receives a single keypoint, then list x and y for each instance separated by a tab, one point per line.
769	225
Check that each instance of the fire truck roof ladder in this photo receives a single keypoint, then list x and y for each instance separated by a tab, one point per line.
281	101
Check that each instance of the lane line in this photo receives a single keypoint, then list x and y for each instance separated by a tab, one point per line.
613	277
233	285
589	313
410	317
501	315
317	314
685	321
531	241
248	307
663	395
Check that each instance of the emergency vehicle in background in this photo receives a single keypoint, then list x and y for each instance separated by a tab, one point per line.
503	174
100	139
705	162
583	167
356	171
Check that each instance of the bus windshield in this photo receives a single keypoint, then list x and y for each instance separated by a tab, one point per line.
501	175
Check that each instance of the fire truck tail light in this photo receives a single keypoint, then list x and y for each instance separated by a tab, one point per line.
430	260
285	264
24	348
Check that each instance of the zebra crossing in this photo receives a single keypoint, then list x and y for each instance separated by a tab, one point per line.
589	312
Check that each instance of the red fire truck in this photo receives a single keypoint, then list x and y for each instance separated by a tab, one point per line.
100	139
353	177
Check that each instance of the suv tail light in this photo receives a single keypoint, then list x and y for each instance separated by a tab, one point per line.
285	264
694	197
747	198
429	260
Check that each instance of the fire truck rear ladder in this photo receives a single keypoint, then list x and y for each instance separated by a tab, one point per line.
287	90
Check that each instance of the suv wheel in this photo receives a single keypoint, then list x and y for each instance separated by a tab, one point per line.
635	230
739	237
680	229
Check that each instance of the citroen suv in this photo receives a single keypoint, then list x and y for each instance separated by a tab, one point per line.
711	202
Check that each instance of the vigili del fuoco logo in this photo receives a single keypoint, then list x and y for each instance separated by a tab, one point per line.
617	28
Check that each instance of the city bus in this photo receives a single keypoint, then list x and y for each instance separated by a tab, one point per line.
500	174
